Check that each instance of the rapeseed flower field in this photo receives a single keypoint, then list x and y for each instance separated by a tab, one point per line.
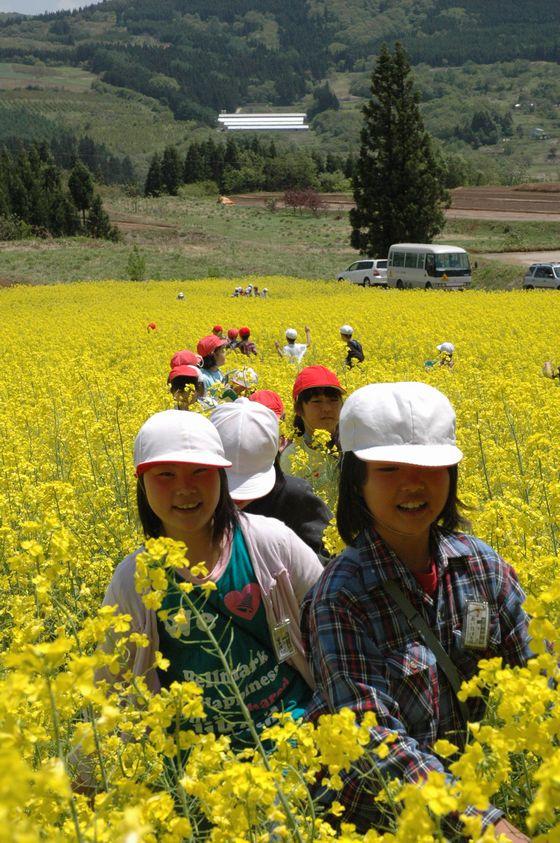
81	371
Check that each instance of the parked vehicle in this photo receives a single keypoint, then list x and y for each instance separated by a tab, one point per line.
428	266
369	273
546	275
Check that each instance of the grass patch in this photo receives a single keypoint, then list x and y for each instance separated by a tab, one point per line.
195	237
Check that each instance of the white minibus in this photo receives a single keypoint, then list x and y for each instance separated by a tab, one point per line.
428	266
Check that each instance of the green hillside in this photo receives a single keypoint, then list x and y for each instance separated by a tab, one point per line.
140	75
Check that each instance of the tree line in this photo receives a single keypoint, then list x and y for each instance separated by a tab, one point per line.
36	198
246	164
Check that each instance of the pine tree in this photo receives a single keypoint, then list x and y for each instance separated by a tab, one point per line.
171	170
80	185
98	223
154	184
193	166
398	183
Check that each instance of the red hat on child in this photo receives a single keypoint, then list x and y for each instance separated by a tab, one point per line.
270	399
315	376
244	332
232	333
217	329
208	345
185	358
184	372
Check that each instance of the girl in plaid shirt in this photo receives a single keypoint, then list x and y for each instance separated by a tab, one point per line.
398	513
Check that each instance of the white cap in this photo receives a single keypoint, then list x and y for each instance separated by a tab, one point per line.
448	347
250	433
246	377
178	436
291	334
409	423
347	330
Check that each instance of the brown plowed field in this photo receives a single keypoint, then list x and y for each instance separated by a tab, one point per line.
482	202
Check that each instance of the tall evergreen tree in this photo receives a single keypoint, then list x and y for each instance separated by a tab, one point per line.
154	185
171	170
398	183
193	168
98	223
80	185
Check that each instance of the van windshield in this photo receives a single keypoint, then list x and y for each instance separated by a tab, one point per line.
452	260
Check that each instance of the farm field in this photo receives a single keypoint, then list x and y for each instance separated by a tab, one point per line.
194	237
69	413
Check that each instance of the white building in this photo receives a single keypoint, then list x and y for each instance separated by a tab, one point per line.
283	121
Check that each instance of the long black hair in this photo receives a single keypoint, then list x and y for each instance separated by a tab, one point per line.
226	514
353	516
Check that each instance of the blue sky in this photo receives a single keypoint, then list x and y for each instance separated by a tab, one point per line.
36	7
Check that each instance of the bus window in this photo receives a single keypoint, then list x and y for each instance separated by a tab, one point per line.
420	262
430	265
398	258
410	260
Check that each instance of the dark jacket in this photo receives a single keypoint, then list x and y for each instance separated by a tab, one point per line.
292	501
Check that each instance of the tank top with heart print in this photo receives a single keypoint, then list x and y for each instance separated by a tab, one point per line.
237	616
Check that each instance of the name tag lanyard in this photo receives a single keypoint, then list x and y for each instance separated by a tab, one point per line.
442	658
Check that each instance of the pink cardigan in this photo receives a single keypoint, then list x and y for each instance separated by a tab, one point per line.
285	568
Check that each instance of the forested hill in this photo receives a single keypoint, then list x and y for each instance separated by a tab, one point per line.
200	56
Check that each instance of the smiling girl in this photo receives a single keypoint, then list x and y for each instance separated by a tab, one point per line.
260	568
403	616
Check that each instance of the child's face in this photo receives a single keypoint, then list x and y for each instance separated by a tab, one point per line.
220	355
183	496
321	412
404	500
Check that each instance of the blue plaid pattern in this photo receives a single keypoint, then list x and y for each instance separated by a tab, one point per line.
366	656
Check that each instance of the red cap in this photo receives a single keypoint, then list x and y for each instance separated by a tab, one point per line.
315	376
270	399
232	333
244	332
217	329
208	345
185	358
183	372
152	326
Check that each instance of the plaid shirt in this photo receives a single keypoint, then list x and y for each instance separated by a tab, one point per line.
366	656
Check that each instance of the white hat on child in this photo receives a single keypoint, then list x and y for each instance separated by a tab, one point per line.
291	334
410	423
250	434
178	436
448	347
346	330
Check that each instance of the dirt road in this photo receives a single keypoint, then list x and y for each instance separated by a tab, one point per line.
494	203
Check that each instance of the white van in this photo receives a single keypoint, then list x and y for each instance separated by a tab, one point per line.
428	266
371	272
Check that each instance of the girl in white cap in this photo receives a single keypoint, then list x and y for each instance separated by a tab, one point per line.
260	568
403	616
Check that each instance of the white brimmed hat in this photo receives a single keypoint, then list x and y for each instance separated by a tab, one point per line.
249	433
410	423
448	347
246	377
346	330
178	436
291	334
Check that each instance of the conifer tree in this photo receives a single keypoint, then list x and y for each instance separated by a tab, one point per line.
171	170
193	166
398	183
80	185
98	223
153	185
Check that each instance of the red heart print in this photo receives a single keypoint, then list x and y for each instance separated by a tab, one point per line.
244	603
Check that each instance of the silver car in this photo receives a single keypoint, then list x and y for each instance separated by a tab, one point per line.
369	273
545	275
